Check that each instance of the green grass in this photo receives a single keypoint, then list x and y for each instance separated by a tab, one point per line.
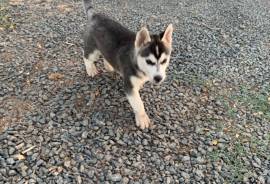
257	101
247	100
232	157
233	153
6	21
261	147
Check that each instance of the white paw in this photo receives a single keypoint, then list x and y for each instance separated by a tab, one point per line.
108	67
142	121
91	71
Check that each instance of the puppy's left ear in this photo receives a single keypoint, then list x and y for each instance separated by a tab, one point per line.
167	36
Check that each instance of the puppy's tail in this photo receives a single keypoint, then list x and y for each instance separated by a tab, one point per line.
88	8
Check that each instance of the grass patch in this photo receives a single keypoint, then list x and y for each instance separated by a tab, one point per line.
232	157
261	147
245	99
233	153
257	101
6	22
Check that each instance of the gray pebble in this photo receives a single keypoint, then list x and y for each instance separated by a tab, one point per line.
91	173
12	172
10	161
185	175
84	135
11	150
268	180
115	177
185	158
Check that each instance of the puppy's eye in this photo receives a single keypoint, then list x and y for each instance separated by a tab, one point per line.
148	61
164	61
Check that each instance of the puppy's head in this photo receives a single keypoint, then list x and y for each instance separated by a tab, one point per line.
153	53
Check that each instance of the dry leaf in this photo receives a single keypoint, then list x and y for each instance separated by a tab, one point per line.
55	76
215	142
97	93
29	149
39	46
236	135
56	170
206	129
258	113
15	2
64	8
20	157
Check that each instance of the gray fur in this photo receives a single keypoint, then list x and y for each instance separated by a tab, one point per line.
115	42
117	45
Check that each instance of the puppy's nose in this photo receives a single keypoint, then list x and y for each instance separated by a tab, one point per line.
157	78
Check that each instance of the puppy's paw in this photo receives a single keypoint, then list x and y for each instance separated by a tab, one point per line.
142	121
91	70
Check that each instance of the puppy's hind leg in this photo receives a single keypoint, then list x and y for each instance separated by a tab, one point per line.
89	62
90	54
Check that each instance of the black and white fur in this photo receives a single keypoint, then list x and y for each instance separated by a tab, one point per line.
137	57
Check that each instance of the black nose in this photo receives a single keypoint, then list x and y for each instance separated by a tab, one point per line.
157	78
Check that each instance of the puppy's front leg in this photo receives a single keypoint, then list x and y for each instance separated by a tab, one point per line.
136	103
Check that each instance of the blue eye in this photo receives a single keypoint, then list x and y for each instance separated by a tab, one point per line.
148	61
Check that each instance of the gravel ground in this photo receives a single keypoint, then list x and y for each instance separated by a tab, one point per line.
211	115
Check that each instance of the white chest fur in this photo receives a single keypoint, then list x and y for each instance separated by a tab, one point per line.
138	82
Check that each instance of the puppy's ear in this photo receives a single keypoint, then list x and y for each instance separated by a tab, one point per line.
161	34
167	36
142	37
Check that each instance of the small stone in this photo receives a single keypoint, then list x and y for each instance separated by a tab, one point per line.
256	162
116	177
67	163
11	150
12	173
93	161
82	169
84	135
79	179
91	174
199	173
127	172
125	180
3	171
200	160
10	161
145	142
185	175
268	180
34	156
52	115
186	158
261	180
242	26
85	123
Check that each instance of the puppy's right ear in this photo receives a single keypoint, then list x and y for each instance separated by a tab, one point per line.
142	37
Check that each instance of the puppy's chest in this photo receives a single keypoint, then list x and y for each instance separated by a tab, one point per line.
138	82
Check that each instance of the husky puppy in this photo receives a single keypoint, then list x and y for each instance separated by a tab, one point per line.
137	57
